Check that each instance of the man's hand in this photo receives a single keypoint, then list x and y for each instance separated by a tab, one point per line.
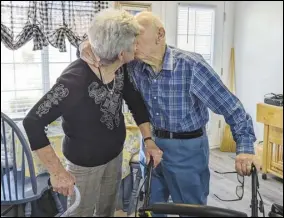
63	182
87	55
244	162
153	150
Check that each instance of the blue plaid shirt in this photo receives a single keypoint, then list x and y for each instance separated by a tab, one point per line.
179	96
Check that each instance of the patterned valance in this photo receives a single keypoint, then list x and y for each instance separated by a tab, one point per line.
47	22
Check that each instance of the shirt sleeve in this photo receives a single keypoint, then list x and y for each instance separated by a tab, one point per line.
55	103
208	87
134	100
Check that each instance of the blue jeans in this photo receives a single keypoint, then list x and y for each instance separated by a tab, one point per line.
183	173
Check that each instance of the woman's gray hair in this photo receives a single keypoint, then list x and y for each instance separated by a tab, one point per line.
111	32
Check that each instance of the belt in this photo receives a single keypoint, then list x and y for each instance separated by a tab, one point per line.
183	135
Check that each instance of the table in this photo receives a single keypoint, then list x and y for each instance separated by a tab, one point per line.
272	118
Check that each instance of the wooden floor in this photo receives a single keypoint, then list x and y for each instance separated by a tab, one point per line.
224	186
271	189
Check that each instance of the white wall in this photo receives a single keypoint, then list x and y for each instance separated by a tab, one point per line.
258	43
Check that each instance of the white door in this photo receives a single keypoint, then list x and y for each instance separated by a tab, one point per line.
198	26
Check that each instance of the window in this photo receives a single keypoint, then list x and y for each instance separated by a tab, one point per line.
26	75
195	30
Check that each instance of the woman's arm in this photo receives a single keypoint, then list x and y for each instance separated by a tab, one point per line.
51	106
140	113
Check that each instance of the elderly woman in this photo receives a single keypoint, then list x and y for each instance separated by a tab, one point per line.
89	100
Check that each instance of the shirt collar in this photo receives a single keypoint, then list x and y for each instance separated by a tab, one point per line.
168	62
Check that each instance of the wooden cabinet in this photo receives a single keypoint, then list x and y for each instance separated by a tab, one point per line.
272	118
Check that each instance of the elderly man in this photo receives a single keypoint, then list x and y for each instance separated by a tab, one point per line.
89	100
178	87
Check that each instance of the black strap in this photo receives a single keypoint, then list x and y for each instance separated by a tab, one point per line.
148	138
101	74
184	135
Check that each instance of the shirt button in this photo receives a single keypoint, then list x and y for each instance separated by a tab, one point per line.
157	114
155	80
155	97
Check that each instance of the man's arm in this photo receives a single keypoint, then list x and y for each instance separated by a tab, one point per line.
208	87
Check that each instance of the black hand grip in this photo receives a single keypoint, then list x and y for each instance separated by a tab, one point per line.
151	164
148	182
192	210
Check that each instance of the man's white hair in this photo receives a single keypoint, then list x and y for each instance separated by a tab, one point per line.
111	32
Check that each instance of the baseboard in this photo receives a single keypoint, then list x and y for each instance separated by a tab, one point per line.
214	147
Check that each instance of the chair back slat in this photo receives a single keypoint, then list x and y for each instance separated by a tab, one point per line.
7	167
15	164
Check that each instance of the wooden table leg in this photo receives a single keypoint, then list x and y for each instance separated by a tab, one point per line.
265	152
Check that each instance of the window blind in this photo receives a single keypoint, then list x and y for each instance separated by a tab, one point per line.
195	30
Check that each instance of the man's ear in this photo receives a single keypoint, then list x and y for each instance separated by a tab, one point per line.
161	34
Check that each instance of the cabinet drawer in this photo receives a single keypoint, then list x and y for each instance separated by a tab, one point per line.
270	115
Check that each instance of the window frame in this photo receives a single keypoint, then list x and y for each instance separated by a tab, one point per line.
46	83
202	6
